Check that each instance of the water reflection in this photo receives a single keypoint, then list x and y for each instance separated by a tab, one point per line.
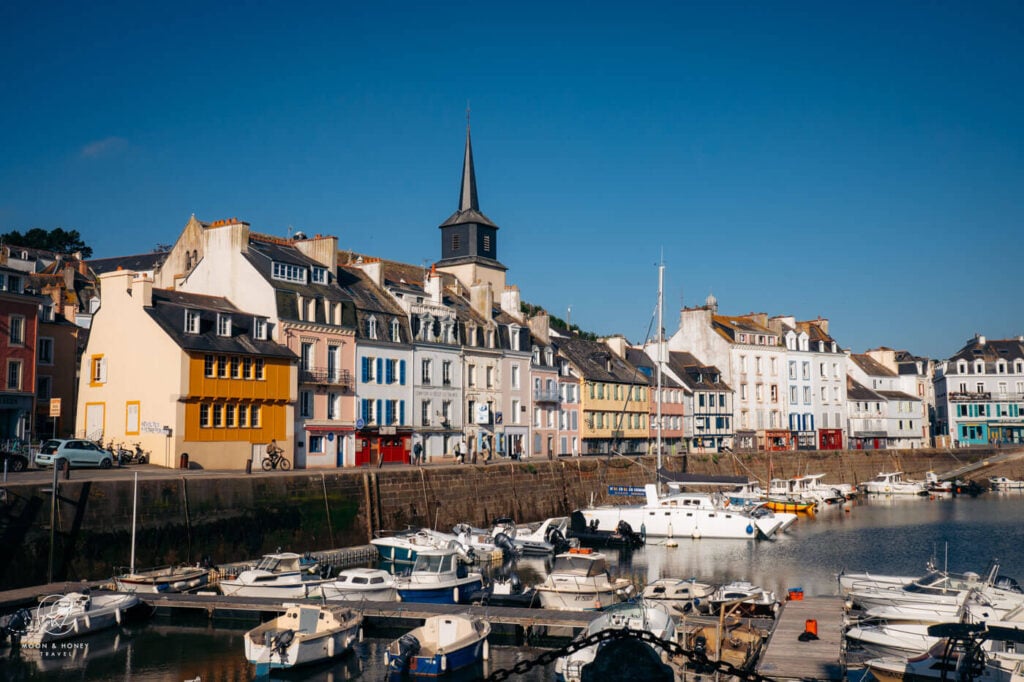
887	535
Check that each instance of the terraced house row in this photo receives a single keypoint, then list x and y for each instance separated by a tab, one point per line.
232	338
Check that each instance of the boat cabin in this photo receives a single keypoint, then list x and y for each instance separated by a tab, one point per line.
287	562
580	562
362	577
437	562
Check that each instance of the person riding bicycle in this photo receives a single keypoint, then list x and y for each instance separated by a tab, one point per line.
273	450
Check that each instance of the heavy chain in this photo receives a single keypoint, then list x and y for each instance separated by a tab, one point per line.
701	661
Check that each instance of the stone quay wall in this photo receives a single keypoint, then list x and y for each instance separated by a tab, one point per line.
234	517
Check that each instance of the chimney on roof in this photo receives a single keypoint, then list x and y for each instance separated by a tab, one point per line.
511	302
980	339
481	298
617	344
324	250
142	291
433	286
540	325
374	269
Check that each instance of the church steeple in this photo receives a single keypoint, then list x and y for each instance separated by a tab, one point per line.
467	194
469	240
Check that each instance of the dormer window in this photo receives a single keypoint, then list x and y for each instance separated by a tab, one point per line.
191	321
961	367
743	338
833	346
14	284
396	331
490	338
223	324
319	275
289	273
513	335
371	327
979	366
549	357
259	328
1018	366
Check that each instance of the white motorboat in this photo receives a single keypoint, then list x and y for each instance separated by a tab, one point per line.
743	597
579	581
284	574
304	634
994	654
1004	483
360	584
891	639
76	614
547	538
404	547
680	596
943	589
438	578
892	483
865	581
807	488
688	514
441	645
638	615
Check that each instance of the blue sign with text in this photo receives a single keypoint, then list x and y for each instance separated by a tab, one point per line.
626	491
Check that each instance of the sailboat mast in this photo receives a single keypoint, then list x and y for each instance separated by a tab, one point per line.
661	349
135	505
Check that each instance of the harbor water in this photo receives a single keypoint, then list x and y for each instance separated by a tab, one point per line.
890	535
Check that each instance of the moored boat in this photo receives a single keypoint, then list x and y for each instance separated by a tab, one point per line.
578	581
438	577
283	574
360	584
76	614
680	596
640	615
304	634
743	597
892	483
441	645
165	579
791	506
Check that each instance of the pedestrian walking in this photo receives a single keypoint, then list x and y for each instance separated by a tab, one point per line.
417	453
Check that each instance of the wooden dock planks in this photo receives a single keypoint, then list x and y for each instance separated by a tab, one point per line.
787	658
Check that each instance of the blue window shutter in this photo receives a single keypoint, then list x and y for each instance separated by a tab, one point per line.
378	412
401	372
380	370
401	406
390	372
389	412
366	369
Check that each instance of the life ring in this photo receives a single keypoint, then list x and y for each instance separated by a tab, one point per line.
726	502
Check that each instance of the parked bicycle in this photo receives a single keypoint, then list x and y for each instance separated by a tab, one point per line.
275	459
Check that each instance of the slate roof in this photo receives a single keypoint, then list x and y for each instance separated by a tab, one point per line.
371	300
168	311
141	262
649	369
695	374
263	253
858	391
871	367
898	395
597	362
989	352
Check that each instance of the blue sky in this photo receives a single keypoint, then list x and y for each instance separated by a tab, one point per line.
859	161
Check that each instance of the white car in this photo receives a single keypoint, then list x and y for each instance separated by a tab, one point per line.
78	453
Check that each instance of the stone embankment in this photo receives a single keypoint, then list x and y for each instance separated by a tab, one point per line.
231	518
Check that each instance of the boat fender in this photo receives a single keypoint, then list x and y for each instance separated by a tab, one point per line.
330	647
487	650
750	528
76	625
117	616
444	662
360	634
455	595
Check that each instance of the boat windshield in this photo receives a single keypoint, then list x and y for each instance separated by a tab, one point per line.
579	565
433	563
268	563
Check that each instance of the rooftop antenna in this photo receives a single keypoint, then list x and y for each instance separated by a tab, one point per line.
568	318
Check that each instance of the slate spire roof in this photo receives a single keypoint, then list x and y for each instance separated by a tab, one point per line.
469	204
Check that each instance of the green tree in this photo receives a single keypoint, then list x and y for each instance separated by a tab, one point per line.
57	240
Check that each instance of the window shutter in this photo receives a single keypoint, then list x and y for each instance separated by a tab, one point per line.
401	372
380	370
366	370
401	409
389	412
390	375
103	369
378	413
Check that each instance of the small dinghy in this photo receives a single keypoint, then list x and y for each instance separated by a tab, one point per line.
304	634
76	614
441	645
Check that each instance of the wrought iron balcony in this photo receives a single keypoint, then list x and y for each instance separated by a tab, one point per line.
341	378
542	395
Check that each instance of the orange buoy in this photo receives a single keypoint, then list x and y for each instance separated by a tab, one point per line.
811	626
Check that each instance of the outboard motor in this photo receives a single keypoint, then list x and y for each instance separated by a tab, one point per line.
280	642
505	544
557	540
626	531
14	626
408	646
